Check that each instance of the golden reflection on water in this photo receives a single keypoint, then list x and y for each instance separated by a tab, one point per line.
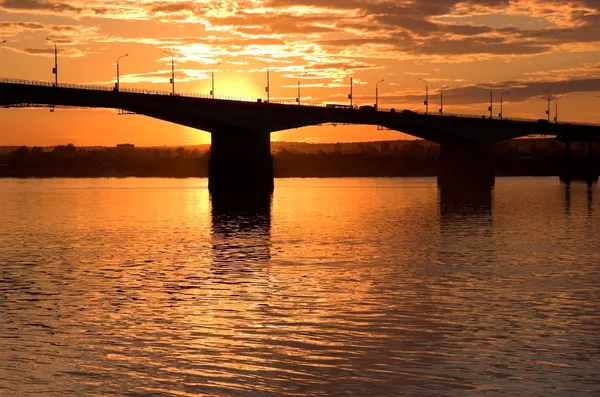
329	287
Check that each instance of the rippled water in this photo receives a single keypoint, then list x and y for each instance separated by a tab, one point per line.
357	287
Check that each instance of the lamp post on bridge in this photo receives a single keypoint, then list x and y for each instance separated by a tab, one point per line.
549	97
377	93
299	78
268	87
491	107
556	108
442	99
55	69
426	95
172	72
351	96
501	114
117	86
212	91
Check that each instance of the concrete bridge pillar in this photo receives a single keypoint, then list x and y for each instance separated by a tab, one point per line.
240	162
465	166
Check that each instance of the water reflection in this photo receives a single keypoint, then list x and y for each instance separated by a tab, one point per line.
470	203
466	226
568	193
340	288
241	232
590	198
567	198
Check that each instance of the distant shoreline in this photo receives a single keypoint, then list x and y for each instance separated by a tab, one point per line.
388	159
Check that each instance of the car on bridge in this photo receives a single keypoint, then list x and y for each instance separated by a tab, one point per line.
338	106
367	108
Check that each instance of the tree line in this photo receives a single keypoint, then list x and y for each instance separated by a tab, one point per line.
389	159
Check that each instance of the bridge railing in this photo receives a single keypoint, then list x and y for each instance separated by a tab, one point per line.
278	102
475	116
149	92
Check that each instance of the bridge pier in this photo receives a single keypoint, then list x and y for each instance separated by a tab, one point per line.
240	162
577	169
465	166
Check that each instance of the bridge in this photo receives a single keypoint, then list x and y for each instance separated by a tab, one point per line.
240	129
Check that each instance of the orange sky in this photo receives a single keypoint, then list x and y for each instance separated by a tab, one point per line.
524	46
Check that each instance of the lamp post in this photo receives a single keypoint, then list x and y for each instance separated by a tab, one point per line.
491	107
350	96
377	93
55	69
212	91
268	87
442	99
549	97
556	108
172	72
299	78
426	95
118	73
501	114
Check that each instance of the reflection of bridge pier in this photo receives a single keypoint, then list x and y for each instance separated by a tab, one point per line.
569	194
240	161
241	232
577	168
471	202
466	226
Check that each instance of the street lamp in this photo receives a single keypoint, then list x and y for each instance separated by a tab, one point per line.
350	96
501	104
549	97
426	95
377	94
212	91
55	69
172	71
118	74
268	87
556	108
299	78
491	107
442	99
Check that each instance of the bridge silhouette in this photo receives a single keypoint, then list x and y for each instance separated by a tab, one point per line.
240	129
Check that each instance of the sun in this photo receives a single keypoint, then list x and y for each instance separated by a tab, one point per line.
232	85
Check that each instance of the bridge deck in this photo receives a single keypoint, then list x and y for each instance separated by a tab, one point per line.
215	114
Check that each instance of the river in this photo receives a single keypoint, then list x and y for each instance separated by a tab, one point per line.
334	287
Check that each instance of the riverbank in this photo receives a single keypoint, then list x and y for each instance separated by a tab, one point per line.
526	157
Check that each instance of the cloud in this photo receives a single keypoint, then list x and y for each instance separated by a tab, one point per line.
159	77
13	28
378	28
520	91
49	52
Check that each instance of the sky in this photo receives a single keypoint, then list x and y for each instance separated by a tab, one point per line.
531	48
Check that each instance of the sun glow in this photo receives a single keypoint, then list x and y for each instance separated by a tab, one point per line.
232	85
